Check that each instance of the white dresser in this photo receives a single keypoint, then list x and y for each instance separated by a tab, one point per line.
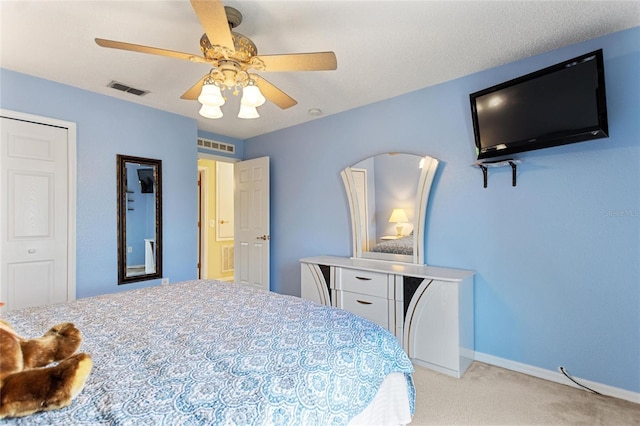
429	309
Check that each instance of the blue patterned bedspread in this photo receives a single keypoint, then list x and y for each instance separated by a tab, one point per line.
208	352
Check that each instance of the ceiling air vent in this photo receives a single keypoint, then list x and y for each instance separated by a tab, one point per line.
128	89
216	146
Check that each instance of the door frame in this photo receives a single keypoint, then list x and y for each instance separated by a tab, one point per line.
203	217
71	187
206	214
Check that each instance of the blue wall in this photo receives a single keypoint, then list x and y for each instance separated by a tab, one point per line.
557	257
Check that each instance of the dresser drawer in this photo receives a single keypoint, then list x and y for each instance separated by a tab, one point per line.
364	282
375	309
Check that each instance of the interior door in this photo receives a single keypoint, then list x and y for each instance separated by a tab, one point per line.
34	214
252	238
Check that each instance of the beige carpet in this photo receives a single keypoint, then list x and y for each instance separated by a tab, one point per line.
489	395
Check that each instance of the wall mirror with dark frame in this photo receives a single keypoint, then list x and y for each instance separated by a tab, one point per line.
139	187
388	196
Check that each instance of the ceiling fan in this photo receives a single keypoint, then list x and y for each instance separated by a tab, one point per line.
231	56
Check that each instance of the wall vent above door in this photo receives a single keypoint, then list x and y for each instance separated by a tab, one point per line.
216	146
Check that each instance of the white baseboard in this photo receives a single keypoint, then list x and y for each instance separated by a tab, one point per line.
556	376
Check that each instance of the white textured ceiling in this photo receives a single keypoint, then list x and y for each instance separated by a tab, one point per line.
384	48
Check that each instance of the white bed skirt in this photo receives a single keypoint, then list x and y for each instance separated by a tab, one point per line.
390	407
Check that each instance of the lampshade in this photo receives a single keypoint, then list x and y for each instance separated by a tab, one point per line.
398	216
252	97
211	95
248	111
209	111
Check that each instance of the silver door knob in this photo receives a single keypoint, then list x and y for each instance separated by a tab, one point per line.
31	251
263	237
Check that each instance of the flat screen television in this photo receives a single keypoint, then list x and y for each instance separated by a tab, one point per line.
145	177
561	104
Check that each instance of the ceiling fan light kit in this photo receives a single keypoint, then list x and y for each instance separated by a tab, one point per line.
231	55
217	81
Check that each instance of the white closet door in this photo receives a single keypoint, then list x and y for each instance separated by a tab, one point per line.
33	214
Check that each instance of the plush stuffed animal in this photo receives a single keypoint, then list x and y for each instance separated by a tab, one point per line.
28	383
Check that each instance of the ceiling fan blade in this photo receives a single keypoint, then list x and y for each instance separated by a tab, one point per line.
317	61
272	93
146	49
213	19
193	93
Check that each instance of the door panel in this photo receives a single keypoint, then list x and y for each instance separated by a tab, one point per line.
252	239
242	270
32	284
30	200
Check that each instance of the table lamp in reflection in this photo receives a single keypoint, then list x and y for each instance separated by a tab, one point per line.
398	216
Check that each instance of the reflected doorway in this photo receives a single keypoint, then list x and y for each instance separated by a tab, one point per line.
215	217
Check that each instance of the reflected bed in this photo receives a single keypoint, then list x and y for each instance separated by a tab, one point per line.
402	245
209	352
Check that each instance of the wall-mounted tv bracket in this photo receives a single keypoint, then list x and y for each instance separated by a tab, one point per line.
484	165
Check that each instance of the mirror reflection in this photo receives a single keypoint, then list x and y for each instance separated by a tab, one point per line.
139	219
388	197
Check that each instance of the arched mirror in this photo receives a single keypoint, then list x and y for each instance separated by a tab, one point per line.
139	219
388	196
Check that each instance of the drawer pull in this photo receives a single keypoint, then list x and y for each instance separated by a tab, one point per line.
364	302
363	278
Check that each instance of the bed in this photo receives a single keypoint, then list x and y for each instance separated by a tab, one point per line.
211	352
